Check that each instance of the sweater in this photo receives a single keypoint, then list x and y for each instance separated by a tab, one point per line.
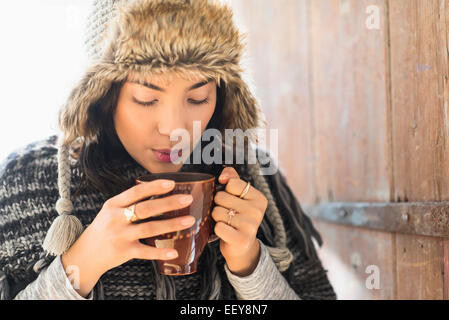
28	192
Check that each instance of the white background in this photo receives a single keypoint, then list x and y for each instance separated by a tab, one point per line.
42	55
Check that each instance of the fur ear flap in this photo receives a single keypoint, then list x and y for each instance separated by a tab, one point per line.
74	115
241	109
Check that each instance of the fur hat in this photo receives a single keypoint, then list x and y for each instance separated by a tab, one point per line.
195	39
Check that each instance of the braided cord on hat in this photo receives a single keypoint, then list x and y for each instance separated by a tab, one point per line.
66	228
280	254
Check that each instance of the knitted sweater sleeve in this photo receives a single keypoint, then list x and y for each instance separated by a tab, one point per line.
51	284
265	283
27	195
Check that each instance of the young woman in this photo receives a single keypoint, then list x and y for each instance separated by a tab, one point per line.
158	66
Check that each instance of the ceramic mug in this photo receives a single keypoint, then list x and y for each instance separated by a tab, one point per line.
190	242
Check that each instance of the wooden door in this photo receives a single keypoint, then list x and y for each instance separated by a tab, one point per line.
359	89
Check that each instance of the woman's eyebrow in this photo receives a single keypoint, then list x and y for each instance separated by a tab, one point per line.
154	87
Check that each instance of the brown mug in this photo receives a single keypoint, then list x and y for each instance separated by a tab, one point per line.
190	242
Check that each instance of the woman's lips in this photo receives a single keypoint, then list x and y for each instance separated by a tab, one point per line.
164	154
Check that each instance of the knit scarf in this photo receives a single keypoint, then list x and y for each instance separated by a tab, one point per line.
292	229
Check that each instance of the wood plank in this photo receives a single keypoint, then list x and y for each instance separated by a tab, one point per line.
420	96
420	131
420	267
278	60
446	269
348	252
349	84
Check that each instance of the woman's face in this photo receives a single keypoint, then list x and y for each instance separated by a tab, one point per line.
143	129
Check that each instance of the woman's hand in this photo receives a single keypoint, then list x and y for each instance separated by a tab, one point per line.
238	243
111	240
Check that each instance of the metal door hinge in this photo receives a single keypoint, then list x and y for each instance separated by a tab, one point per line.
420	218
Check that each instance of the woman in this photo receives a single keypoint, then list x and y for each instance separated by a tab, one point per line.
158	66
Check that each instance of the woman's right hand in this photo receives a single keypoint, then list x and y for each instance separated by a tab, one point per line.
110	240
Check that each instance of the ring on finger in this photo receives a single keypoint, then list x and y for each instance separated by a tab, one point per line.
231	213
130	213
245	191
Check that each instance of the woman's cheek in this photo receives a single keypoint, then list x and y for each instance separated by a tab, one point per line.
204	115
207	114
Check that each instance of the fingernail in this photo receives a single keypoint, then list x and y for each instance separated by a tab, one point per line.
167	184
186	199
187	221
224	176
172	254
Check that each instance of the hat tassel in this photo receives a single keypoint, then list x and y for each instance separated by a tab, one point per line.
62	234
66	228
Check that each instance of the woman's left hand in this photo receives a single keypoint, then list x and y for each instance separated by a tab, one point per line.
238	242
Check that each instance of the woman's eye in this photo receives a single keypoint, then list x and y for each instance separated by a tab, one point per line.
143	103
199	102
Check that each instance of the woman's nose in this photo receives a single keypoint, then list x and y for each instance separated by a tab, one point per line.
170	119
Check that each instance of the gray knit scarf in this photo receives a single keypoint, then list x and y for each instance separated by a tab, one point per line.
278	250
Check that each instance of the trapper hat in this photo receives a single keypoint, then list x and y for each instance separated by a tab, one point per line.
196	39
